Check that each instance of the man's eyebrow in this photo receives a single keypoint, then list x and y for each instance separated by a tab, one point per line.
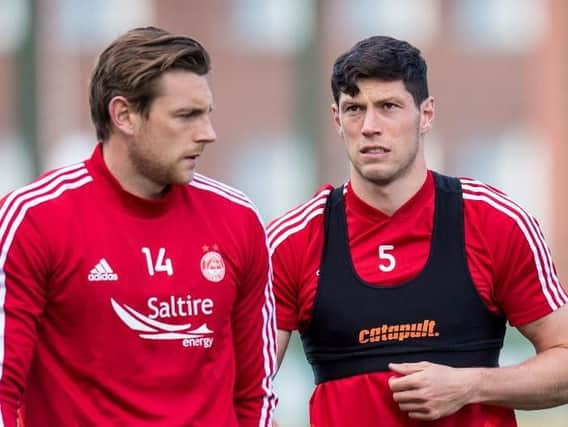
207	109
350	101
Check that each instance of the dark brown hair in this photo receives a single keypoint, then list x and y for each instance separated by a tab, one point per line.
384	58
131	65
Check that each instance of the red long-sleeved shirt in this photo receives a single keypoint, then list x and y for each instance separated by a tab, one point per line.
115	310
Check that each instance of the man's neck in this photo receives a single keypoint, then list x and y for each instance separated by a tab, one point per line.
388	198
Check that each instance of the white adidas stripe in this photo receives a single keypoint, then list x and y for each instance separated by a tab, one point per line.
295	229
209	180
536	236
268	309
12	204
269	354
238	200
220	186
102	267
552	290
12	214
279	230
27	200
296	221
36	184
322	194
269	350
296	215
282	228
103	262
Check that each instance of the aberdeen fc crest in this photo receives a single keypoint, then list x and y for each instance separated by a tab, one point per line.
212	265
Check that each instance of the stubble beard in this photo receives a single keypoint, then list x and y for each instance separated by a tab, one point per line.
149	167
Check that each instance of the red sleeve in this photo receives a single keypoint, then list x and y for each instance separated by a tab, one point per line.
22	299
526	284
285	287
296	242
510	261
254	332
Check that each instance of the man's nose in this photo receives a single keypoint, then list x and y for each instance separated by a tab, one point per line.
371	123
206	132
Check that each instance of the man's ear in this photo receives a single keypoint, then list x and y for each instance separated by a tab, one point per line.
336	119
122	115
427	113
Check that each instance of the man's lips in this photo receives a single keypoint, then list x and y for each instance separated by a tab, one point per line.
375	149
191	160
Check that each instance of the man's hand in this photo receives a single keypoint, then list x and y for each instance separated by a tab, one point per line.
427	391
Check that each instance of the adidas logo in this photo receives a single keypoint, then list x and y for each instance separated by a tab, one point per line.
102	272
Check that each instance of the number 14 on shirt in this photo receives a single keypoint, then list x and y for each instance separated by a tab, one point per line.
158	264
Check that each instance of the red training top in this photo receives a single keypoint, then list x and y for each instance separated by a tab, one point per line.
121	311
509	261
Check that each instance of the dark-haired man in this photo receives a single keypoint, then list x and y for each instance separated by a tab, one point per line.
401	280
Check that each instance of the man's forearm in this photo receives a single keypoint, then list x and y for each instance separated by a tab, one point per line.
538	383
